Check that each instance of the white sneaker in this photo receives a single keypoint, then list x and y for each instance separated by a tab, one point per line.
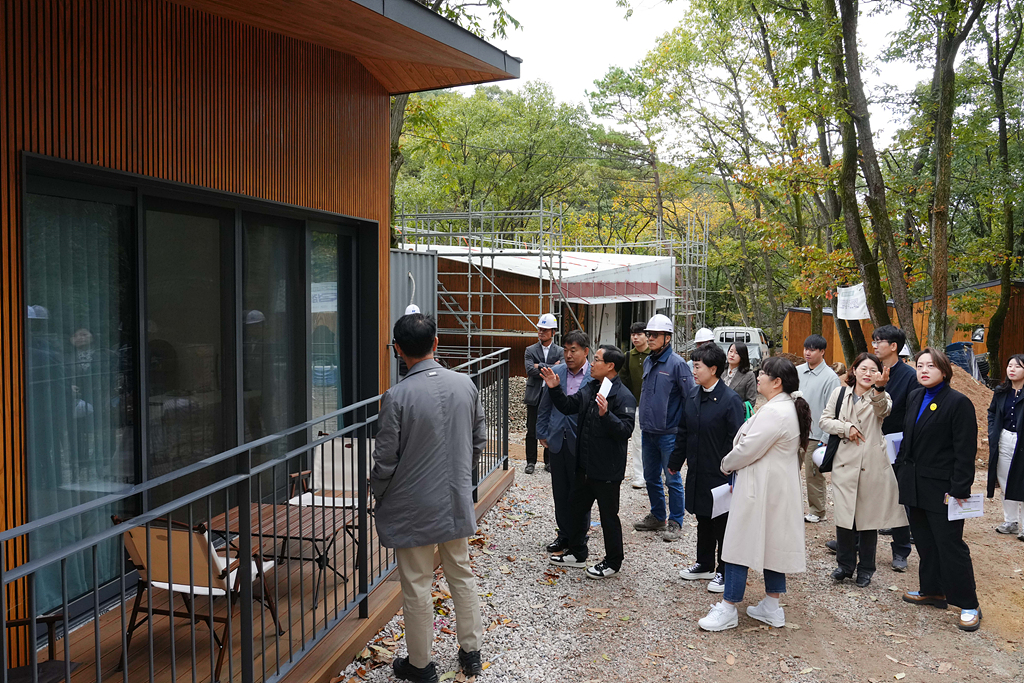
639	484
717	584
722	616
567	560
812	519
696	573
601	571
762	613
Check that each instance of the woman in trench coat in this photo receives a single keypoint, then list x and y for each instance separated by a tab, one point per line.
863	484
765	531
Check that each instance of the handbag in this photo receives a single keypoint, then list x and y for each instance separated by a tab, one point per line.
833	440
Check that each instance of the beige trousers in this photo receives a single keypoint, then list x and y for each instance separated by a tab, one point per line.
416	570
815	484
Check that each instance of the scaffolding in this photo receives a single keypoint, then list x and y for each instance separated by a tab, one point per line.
479	235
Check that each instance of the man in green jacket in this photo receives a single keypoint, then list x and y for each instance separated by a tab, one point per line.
632	376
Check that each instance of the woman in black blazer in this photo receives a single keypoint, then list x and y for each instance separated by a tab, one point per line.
936	458
1006	449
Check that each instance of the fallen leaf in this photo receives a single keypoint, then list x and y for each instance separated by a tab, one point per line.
691	646
537	606
795	627
625	618
900	676
944	667
606	658
485	551
447	630
730	660
599	610
493	626
895	635
460	678
752	628
893	588
448	676
872	598
784	667
807	670
365	654
486	666
892	659
709	659
505	569
655	654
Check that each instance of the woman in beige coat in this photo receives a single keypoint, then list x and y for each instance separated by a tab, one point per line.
765	530
863	483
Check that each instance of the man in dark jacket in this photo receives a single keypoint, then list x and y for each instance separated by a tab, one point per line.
712	414
605	421
544	354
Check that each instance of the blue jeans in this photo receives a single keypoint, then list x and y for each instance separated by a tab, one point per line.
657	449
736	582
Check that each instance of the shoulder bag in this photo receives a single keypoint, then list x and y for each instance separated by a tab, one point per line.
833	440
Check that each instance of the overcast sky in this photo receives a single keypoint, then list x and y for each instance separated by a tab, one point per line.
571	43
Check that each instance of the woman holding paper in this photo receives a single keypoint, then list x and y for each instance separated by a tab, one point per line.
863	484
765	531
935	470
1006	448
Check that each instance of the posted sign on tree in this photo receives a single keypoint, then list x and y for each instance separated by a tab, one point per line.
852	305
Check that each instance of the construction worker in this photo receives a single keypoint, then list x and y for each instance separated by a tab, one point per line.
703	336
667	381
544	354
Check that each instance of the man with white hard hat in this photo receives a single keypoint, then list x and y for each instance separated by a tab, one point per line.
667	381
544	354
703	336
411	309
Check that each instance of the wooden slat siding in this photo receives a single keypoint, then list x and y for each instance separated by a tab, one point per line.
160	89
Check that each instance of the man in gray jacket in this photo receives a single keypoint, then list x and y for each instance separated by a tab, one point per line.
544	354
431	434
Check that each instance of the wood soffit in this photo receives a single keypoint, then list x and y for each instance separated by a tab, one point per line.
405	46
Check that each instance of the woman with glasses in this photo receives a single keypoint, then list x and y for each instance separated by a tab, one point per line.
765	531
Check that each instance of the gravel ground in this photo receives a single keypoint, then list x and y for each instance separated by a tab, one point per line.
552	624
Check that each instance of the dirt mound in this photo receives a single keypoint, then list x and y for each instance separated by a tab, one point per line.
981	397
791	357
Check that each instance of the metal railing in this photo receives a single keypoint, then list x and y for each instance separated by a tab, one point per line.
256	568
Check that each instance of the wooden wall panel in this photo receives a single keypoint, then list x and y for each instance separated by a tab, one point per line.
163	90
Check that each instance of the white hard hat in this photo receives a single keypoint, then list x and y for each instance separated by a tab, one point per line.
905	351
37	313
254	316
659	323
547	322
704	335
412	308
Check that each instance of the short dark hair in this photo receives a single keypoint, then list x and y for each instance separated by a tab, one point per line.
744	354
613	355
940	359
415	333
816	342
638	327
891	334
710	355
863	356
577	337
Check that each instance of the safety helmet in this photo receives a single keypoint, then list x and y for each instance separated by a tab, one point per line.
37	313
704	335
254	316
659	323
905	351
412	308
547	322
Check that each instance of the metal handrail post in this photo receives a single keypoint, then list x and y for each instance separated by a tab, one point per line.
243	494
362	554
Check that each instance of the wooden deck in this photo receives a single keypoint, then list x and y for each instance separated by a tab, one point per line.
184	654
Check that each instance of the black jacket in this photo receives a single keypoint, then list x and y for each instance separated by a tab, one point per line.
902	381
709	425
534	384
1015	478
938	451
602	442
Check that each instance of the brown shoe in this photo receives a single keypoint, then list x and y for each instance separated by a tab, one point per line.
915	598
970	619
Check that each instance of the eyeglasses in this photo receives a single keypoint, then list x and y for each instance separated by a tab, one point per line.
653	334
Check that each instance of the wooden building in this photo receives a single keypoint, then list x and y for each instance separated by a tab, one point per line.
178	181
797	324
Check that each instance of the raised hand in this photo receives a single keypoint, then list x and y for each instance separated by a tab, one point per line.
549	377
881	378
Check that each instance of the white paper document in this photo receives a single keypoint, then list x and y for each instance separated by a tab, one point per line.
723	498
892	445
974	507
606	386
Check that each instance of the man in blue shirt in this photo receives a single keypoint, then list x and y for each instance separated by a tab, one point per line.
667	381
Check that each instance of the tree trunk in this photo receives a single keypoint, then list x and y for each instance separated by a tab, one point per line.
866	264
398	103
876	200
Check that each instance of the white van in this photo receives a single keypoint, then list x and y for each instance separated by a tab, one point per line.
753	337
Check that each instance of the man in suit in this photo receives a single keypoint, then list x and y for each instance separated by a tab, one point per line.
544	354
557	431
431	434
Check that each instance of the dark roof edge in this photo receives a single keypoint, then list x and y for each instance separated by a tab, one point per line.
415	16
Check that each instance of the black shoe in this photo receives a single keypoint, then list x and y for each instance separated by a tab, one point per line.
547	468
899	564
407	672
885	532
832	546
529	468
839	574
863	580
470	662
557	546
